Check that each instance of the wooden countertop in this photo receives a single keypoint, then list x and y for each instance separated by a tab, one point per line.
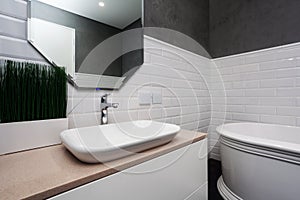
45	172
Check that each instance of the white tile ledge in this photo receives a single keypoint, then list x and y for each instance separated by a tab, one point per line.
20	136
265	50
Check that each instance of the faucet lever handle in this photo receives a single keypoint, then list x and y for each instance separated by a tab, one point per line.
115	105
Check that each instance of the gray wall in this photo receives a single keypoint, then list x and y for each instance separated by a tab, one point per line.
190	17
225	27
238	26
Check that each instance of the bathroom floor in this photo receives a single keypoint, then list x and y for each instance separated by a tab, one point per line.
214	172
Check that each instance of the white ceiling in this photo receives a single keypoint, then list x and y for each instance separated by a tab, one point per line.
117	13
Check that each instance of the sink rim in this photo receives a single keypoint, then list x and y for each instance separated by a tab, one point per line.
79	147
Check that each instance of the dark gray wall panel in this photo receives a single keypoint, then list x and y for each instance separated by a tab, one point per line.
238	26
188	17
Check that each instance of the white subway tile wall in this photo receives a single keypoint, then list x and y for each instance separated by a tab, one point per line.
181	77
261	86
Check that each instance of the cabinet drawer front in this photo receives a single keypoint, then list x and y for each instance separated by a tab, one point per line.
180	175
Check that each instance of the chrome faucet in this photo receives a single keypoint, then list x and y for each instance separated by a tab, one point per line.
103	108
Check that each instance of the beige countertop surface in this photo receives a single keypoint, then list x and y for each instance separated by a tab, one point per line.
45	172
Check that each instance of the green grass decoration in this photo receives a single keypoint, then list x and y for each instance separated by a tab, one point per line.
31	92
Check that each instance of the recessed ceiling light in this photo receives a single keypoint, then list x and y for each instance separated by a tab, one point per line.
101	4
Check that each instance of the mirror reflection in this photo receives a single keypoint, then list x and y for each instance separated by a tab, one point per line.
66	32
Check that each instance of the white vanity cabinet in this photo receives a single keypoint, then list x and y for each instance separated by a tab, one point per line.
178	175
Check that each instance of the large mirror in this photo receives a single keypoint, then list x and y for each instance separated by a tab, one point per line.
98	41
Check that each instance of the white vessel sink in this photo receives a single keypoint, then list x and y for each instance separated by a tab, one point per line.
108	142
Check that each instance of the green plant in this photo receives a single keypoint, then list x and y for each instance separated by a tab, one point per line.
31	92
